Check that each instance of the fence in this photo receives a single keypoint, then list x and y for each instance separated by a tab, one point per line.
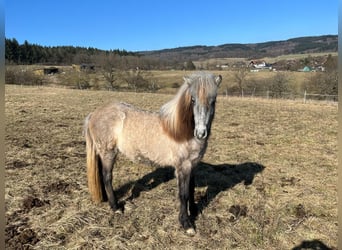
285	95
320	97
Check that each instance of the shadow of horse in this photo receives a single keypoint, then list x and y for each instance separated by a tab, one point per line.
146	183
314	245
216	178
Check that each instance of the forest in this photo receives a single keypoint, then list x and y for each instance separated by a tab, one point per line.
174	58
28	53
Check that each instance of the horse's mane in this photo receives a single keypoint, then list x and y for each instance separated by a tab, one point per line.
177	115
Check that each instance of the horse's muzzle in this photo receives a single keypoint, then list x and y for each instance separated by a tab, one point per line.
201	134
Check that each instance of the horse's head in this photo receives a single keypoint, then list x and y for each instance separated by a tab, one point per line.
203	92
190	113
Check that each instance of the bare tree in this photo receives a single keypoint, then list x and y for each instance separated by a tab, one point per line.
240	78
112	77
279	85
110	68
325	83
140	80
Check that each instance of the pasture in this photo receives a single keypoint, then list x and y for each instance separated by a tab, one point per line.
268	179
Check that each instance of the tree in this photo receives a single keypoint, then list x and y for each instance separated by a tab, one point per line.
11	50
140	80
240	78
110	69
331	63
189	65
279	85
28	53
325	83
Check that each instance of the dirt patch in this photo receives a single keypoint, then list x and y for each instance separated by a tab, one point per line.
17	164
18	234
60	187
20	240
288	181
31	202
300	211
237	211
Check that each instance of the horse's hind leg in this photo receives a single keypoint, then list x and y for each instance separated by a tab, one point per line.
108	160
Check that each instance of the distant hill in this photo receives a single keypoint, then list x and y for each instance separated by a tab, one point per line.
301	45
176	58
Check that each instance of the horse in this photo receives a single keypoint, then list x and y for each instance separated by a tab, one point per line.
176	136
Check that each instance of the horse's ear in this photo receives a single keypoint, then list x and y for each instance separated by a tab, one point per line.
187	80
218	80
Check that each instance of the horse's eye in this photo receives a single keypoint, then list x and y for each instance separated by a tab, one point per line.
192	100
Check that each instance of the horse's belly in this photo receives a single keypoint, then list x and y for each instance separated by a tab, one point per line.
147	150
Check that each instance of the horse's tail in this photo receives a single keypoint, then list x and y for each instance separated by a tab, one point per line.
95	184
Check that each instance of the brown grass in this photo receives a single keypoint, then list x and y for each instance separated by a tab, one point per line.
268	179
166	79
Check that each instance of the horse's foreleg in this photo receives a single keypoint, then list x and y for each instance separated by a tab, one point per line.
107	175
183	178
192	206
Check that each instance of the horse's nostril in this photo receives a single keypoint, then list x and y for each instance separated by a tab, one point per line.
202	134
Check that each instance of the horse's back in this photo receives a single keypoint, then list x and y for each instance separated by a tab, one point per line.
136	133
123	126
105	123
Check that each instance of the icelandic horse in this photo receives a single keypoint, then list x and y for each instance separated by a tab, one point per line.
175	136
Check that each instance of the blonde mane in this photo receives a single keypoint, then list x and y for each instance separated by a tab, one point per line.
177	116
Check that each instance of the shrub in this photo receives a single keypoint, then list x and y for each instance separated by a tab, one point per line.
139	80
325	83
22	77
279	85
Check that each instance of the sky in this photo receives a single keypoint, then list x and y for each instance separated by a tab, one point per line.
142	25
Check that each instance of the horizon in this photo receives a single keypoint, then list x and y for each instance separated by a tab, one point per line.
139	26
195	45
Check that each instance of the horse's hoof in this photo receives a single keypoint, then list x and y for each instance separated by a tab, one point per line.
190	231
118	211
129	206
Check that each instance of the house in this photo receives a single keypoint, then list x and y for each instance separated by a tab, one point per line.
320	68
259	65
223	66
305	69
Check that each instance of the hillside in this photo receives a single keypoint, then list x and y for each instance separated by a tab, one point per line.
301	45
28	53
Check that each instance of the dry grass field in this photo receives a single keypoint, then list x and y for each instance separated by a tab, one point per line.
165	80
296	80
267	181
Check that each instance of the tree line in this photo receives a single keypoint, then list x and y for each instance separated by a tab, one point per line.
28	53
